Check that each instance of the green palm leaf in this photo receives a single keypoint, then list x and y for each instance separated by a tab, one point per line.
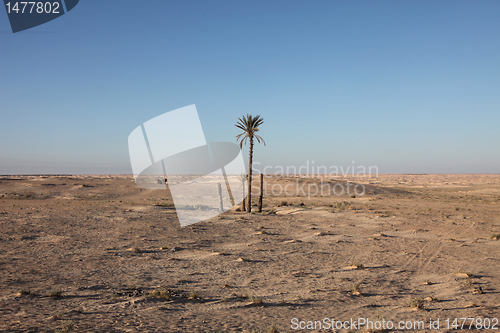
250	126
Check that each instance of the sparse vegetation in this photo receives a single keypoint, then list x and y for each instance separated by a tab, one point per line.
24	292
473	287
193	295
67	326
163	294
55	293
166	204
342	205
244	259
57	316
23	196
255	300
417	303
412	259
272	329
356	288
358	265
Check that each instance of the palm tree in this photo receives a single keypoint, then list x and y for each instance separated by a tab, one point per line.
250	126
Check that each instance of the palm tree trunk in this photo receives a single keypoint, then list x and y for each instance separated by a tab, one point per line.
261	194
250	159
243	202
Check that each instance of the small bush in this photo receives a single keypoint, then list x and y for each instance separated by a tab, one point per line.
356	288
24	292
244	259
417	303
55	293
431	298
163	294
255	300
57	316
358	265
272	329
66	327
343	205
465	274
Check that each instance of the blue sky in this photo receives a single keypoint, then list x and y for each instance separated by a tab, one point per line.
408	86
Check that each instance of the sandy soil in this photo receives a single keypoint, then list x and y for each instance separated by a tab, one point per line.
99	254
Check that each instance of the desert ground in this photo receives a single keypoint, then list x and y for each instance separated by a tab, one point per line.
100	254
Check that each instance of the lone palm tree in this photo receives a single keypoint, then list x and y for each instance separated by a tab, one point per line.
250	126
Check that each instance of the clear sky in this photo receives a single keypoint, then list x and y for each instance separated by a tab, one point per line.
408	86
